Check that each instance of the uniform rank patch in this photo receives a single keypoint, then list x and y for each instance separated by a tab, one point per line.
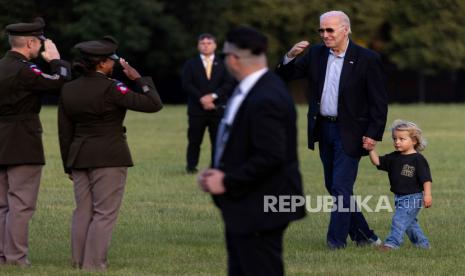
122	88
51	77
35	69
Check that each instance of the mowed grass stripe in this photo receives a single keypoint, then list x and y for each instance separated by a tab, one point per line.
167	226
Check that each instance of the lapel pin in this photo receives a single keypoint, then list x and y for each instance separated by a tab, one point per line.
351	62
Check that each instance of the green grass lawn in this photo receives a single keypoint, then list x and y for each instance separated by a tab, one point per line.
167	226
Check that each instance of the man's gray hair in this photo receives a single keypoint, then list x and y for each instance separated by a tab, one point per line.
344	18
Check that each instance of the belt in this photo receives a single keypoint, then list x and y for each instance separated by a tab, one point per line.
99	129
19	117
331	119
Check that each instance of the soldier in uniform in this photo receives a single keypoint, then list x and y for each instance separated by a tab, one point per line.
22	84
93	145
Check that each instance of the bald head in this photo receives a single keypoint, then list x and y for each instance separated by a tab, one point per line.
344	19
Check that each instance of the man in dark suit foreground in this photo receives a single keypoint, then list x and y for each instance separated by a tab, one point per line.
347	108
256	156
208	86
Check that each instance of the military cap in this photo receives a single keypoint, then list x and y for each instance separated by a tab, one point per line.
34	28
106	46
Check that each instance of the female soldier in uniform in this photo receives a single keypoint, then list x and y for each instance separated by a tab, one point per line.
93	145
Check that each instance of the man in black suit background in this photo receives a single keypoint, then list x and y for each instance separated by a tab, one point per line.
208	86
347	112
255	157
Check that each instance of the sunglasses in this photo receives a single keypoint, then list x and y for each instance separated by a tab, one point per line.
328	30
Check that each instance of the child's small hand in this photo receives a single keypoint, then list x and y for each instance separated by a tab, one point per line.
427	201
368	143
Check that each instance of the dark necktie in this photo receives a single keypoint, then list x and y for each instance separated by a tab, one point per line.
224	128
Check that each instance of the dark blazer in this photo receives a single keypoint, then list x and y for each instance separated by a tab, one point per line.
362	106
90	120
22	84
196	85
260	158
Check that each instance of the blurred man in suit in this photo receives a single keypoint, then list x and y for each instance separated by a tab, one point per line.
208	86
347	108
255	157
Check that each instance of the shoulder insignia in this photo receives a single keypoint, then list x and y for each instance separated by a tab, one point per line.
35	69
51	77
122	88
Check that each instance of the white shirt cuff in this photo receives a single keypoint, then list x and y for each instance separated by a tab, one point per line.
287	59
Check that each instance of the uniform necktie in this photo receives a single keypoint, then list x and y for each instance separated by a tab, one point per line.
208	67
224	128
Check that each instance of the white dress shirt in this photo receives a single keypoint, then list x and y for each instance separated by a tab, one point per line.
236	100
330	94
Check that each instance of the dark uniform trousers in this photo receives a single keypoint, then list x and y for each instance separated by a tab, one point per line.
195	133
98	195
19	187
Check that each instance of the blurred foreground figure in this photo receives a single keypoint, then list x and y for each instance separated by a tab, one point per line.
255	158
22	84
93	145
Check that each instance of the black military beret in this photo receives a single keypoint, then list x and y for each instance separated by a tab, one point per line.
106	46
35	28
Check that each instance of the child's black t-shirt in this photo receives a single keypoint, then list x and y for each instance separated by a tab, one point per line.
407	173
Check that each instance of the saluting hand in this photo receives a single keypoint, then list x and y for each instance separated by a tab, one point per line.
297	49
50	51
130	72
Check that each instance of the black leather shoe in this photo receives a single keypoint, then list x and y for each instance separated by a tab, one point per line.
334	247
191	170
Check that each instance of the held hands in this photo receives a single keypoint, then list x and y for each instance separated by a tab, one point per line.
211	181
207	102
130	72
297	49
368	143
50	51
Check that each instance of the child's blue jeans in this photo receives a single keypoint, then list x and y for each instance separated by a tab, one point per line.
405	221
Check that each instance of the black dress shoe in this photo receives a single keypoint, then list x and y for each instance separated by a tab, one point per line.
334	247
191	170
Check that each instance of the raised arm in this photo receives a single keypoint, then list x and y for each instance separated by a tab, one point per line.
293	66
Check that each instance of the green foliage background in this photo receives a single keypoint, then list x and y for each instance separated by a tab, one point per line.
159	35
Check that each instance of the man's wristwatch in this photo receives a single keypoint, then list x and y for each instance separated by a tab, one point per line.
214	96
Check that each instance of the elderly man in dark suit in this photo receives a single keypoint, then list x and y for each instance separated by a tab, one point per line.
208	86
347	109
255	158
